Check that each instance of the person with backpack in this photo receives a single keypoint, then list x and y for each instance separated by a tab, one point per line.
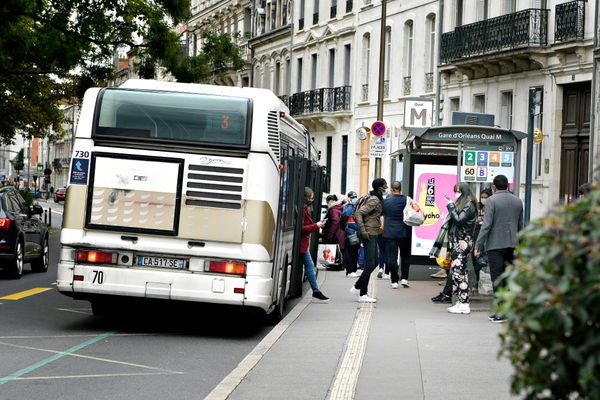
352	236
368	219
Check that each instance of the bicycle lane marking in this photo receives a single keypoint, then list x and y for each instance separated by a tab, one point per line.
53	358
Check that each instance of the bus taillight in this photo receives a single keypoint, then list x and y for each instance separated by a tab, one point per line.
227	267
96	257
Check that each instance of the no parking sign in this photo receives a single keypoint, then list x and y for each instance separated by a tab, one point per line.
378	128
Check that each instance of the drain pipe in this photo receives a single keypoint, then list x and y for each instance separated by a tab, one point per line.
438	87
594	170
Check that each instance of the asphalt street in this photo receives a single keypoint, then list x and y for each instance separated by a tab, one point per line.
53	347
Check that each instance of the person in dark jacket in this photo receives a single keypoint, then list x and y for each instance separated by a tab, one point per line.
309	227
333	230
462	216
397	235
368	220
352	241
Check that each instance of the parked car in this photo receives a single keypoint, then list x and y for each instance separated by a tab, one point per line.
23	236
59	195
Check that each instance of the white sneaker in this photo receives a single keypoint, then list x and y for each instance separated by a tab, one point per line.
460	308
380	273
404	283
353	275
395	285
354	290
440	274
387	276
366	299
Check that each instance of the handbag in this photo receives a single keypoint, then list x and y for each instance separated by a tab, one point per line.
443	259
353	238
413	215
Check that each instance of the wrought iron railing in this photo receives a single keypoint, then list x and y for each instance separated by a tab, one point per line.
349	5
319	100
315	18
333	11
386	89
510	31
429	82
407	85
300	23
365	92
570	21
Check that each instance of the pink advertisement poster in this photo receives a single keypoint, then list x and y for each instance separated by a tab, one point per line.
431	183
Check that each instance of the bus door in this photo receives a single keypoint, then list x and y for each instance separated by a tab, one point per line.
301	171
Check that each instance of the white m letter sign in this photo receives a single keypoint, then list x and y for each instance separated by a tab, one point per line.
418	113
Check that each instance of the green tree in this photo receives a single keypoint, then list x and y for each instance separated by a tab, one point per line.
553	305
54	50
19	162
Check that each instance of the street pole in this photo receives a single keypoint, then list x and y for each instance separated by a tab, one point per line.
381	77
529	163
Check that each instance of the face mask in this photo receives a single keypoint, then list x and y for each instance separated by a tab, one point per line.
308	202
386	192
483	201
354	201
457	195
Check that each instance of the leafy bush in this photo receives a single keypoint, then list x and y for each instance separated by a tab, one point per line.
27	196
552	303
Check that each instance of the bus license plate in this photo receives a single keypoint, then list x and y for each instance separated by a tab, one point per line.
144	261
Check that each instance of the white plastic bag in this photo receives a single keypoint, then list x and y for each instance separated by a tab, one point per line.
413	215
327	254
485	282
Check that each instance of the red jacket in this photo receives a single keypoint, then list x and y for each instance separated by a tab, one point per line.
308	227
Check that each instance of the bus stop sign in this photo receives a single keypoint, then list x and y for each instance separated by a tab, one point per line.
378	128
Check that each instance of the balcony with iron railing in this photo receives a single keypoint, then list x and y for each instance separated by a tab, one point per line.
328	100
407	85
522	29
365	92
570	21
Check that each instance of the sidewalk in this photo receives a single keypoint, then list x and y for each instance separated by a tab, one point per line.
403	347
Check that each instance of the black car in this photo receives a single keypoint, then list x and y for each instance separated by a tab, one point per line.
23	236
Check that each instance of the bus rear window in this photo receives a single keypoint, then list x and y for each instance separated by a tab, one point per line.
178	117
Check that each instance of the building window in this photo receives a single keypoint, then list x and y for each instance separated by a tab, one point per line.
333	9
479	103
365	66
458	13
301	17
277	78
387	65
299	77
344	163
256	78
347	60
454	104
329	153
482	10
510	6
430	53
316	12
506	110
538	117
408	57
331	68
288	77
247	20
313	72
266	77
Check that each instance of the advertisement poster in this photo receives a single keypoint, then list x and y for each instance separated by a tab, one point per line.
431	183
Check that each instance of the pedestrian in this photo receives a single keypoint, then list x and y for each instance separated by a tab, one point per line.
309	227
480	262
352	237
333	232
397	236
368	220
498	235
462	215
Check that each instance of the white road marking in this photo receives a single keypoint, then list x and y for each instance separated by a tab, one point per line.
33	378
344	384
78	311
162	370
74	336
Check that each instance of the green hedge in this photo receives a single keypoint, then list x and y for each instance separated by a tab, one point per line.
552	305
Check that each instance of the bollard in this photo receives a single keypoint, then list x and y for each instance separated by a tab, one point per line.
49	217
46	217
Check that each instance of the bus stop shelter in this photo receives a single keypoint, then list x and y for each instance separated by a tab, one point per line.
435	159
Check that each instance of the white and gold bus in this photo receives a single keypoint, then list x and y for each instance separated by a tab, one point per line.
186	192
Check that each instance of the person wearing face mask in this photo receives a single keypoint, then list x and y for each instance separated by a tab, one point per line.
480	262
462	215
309	227
352	244
368	220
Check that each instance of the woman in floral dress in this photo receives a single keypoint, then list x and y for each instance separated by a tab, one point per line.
462	218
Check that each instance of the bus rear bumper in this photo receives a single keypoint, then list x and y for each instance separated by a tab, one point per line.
84	282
